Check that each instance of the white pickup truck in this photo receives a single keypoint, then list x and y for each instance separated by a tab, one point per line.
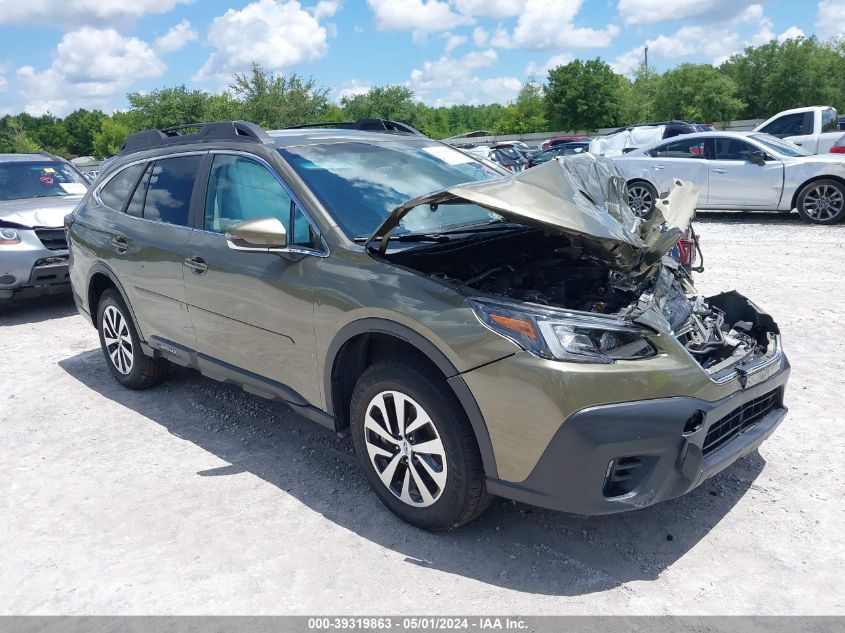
815	128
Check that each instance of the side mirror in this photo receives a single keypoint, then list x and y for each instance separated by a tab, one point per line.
758	158
263	235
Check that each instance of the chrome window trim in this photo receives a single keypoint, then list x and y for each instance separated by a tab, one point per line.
122	168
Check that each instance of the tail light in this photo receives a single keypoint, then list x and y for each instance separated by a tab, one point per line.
837	149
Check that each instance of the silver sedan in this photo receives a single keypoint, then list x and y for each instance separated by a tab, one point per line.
739	170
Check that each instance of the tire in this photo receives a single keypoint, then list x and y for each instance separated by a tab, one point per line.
122	347
822	202
455	489
642	197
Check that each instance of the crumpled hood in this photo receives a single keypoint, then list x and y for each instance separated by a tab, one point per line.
582	196
38	212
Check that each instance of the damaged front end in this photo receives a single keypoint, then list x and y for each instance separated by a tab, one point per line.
579	277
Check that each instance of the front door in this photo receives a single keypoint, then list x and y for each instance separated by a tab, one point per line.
254	312
738	183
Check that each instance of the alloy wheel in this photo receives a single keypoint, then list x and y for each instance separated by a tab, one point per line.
118	340
824	202
640	199
405	448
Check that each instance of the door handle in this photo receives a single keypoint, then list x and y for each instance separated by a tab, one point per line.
659	167
120	243
197	265
719	170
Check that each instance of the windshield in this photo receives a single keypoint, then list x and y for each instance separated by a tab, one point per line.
361	182
39	179
782	147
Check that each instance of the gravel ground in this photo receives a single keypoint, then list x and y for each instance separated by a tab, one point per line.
194	497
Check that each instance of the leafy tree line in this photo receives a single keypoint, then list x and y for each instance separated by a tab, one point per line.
580	95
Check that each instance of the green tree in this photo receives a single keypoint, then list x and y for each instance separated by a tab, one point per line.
15	138
584	95
782	75
527	114
273	101
697	92
109	138
638	96
166	107
81	125
386	102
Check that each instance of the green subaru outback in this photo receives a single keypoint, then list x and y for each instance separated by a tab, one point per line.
479	333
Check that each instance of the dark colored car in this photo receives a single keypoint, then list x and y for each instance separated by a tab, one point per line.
562	149
562	140
479	334
508	157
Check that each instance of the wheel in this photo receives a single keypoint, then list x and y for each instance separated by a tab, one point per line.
122	347
822	202
416	446
641	198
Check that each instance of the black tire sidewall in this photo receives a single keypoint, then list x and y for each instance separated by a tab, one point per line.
448	418
135	377
799	203
643	183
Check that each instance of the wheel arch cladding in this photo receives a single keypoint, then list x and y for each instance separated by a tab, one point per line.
801	187
100	279
360	343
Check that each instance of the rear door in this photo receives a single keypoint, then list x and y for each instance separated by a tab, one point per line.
681	159
149	246
254	312
738	183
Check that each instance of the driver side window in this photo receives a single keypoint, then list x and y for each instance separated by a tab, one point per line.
732	149
241	189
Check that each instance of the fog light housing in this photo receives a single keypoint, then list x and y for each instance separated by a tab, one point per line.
694	423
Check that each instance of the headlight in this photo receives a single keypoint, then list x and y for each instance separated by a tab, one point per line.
566	336
9	236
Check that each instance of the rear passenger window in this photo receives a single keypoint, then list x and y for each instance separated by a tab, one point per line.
119	188
168	196
686	148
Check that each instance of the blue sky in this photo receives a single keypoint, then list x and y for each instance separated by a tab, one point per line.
58	55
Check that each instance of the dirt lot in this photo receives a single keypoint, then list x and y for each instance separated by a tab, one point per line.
194	497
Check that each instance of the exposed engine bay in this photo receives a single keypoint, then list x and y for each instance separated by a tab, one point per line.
553	271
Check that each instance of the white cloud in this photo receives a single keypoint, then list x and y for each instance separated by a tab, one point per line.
489	8
89	67
547	24
716	41
453	41
652	11
325	8
542	70
420	16
447	81
352	88
273	33
830	20
177	37
4	83
480	37
80	12
792	33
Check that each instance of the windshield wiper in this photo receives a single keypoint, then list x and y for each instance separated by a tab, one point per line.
443	236
408	237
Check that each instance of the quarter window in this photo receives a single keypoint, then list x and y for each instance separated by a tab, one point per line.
241	189
168	196
119	188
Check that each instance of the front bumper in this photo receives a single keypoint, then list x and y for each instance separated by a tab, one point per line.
645	444
31	268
